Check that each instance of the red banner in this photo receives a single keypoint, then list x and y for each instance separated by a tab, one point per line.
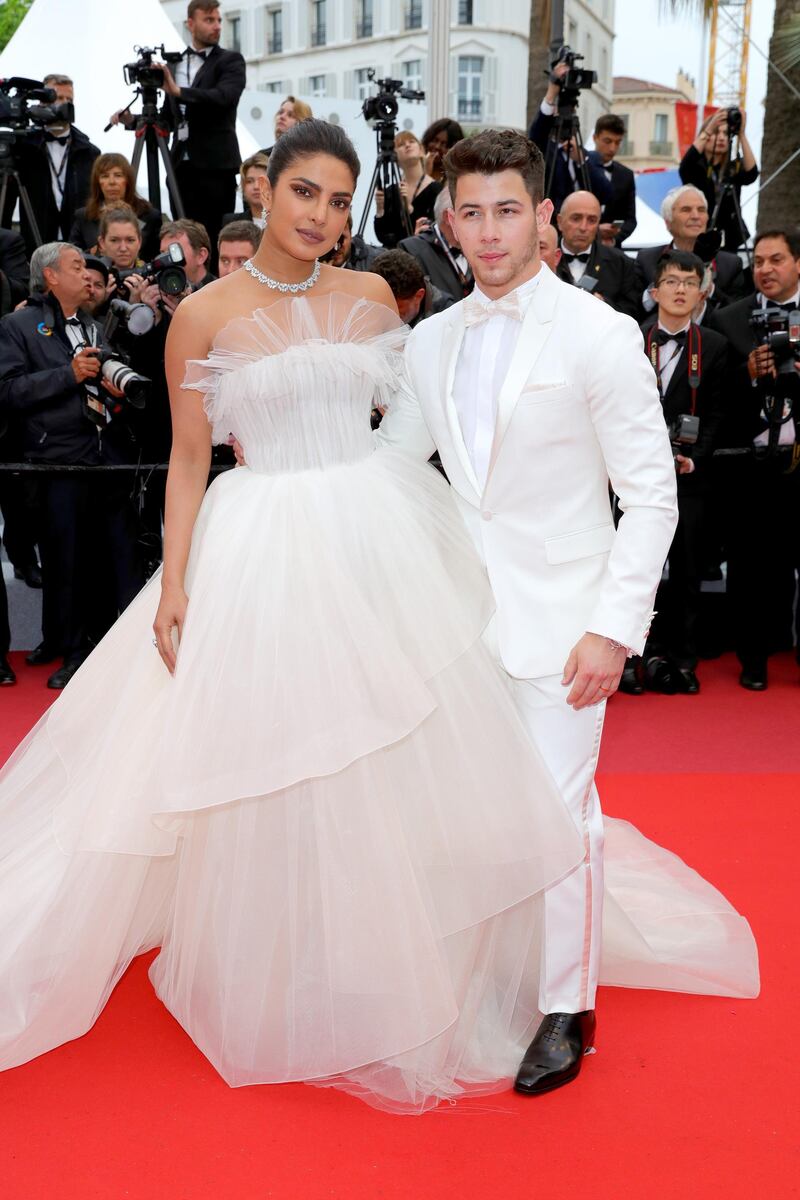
686	121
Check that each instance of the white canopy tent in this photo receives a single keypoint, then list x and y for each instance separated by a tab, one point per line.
52	39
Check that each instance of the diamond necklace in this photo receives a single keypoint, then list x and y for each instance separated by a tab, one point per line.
276	285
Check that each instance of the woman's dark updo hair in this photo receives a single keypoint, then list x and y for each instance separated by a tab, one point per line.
308	138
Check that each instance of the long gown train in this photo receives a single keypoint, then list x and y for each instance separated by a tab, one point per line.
330	818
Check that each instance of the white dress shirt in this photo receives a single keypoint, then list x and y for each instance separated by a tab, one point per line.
185	75
576	268
58	156
668	357
483	361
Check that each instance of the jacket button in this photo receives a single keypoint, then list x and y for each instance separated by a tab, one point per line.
486	516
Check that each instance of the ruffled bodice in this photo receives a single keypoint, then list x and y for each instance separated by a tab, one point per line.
295	383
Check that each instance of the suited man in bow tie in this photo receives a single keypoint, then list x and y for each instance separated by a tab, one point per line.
203	96
55	166
518	387
606	272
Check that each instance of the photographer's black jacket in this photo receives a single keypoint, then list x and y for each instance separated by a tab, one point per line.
14	271
211	104
38	389
622	205
563	184
745	400
34	172
615	275
711	400
431	257
700	172
730	282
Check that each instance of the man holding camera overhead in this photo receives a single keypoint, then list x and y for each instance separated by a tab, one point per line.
53	380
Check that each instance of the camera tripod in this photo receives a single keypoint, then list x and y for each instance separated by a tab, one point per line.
566	128
386	176
9	171
152	133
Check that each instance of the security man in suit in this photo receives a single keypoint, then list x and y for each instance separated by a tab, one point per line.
608	134
603	270
685	213
689	365
203	96
763	492
50	377
439	254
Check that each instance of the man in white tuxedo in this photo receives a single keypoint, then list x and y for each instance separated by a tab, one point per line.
536	397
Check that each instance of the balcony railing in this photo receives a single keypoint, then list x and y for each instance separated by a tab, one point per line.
661	149
318	36
364	28
275	44
413	16
469	108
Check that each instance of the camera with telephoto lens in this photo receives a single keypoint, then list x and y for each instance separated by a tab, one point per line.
780	330
31	107
577	79
383	108
144	73
167	270
683	433
135	388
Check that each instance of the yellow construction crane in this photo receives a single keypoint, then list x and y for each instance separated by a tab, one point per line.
728	51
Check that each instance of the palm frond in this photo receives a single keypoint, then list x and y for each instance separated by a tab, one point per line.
786	44
685	8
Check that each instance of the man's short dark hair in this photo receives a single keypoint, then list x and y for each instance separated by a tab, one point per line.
493	151
610	123
401	271
195	232
201	6
682	260
790	236
240	231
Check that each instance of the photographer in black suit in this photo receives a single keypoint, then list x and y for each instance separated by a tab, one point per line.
689	365
604	271
609	131
50	377
55	166
685	213
203	97
763	483
560	159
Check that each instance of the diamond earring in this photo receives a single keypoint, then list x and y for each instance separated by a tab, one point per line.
264	215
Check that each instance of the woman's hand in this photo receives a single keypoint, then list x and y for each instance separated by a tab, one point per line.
170	615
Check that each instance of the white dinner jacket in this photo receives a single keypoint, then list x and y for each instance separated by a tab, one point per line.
579	407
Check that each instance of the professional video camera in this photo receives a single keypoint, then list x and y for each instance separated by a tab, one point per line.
383	107
31	107
576	80
382	110
167	270
780	330
143	73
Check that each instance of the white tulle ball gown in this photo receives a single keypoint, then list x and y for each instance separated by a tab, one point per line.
329	819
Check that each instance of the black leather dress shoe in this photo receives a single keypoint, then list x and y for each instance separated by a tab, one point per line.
60	678
687	681
41	656
31	574
754	677
631	680
661	675
554	1056
7	676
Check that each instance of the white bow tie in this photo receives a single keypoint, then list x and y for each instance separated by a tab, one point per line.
477	310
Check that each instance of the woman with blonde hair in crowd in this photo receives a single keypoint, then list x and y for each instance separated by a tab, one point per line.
418	191
113	184
290	113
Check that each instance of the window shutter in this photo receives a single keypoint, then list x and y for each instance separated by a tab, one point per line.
490	88
349	85
331	82
453	108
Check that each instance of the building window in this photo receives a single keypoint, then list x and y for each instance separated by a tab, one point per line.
317	86
411	72
274	30
413	14
273	85
465	12
318	22
362	83
661	127
364	19
572	34
234	38
470	86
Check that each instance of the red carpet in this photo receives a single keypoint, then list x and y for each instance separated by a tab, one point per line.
687	1097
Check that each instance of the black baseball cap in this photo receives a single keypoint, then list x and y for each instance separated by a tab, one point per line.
96	264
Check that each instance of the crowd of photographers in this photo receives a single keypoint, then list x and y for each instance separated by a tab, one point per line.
89	286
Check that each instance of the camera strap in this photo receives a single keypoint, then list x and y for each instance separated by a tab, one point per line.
694	359
58	174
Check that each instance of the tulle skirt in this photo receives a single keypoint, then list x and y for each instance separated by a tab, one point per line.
330	819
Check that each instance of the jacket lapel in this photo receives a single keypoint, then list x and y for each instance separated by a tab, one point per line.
198	79
534	333
448	358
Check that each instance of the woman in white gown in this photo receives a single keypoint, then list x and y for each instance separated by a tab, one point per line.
315	794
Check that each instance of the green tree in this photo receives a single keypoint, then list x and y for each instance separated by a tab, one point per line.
538	54
778	203
12	13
